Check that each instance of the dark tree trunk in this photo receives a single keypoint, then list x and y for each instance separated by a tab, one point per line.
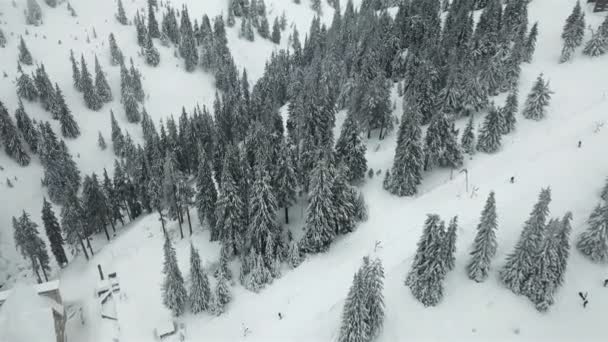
162	221
381	136
89	244
189	222
286	215
46	278
84	249
35	268
105	230
181	231
369	133
112	224
128	212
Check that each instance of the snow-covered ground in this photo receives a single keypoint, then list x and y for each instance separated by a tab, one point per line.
537	154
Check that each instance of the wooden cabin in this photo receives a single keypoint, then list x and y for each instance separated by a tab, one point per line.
600	5
33	313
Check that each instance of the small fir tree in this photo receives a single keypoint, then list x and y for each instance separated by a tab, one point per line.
491	132
9	136
116	55
593	243
69	126
276	32
200	291
508	113
350	150
467	142
406	172
537	100
597	45
104	92
31	246
76	79
530	44
25	57
484	245
53	233
101	142
91	97
519	265
173	290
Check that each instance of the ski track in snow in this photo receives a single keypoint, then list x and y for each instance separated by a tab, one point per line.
537	154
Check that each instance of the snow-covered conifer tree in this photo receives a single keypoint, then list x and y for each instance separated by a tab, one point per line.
593	242
229	213
69	126
467	142
350	150
33	13
25	56
537	100
91	97
491	132
101	142
72	224
173	290
597	45
222	293
530	44
573	33
320	214
484	245
518	267
53	232
115	53
9	136
276	32
425	278
449	244
29	133
406	172
76	80
31	246
121	17
151	53
287	182
26	89
104	92
200	291
508	113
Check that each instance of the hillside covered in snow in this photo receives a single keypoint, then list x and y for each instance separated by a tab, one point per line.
305	170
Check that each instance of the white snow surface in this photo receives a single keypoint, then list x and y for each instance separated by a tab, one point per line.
310	298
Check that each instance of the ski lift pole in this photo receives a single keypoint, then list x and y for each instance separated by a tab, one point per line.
466	175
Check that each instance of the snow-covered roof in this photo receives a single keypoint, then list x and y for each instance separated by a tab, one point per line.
25	316
38	288
48	286
165	327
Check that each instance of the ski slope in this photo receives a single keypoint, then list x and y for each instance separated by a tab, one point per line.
310	298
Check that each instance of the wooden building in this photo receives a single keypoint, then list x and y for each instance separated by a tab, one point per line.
599	5
33	313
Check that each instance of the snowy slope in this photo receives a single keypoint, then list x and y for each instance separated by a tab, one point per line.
168	87
538	154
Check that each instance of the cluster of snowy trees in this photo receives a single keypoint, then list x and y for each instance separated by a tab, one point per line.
253	15
537	265
535	268
434	259
200	297
363	313
96	91
574	33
